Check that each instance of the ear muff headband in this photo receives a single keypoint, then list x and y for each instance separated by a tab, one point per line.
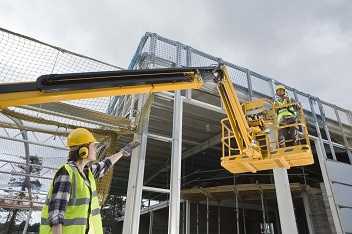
83	152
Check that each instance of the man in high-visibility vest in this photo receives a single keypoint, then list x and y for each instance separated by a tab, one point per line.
285	115
72	204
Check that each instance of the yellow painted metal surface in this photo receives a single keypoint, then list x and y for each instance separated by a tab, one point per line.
299	156
250	138
37	97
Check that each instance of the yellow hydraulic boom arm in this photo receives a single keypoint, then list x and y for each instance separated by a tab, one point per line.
243	147
72	86
235	115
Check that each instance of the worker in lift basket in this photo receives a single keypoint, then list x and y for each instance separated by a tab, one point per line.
285	116
72	204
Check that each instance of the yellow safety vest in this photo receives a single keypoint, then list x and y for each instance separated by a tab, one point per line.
284	111
77	209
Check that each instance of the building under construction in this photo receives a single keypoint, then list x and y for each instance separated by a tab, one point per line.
175	184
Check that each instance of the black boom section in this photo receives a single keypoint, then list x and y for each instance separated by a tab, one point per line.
106	79
18	87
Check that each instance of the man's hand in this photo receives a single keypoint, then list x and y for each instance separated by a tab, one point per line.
127	149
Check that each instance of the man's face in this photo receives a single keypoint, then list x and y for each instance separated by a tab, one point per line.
92	154
280	92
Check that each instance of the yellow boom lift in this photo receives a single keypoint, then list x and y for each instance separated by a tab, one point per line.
249	133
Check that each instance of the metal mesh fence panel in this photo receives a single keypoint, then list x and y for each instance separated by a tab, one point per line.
262	86
304	100
25	59
344	117
329	112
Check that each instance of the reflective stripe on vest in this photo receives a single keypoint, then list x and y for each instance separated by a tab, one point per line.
77	209
68	222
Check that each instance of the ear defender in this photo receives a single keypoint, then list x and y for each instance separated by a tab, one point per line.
83	152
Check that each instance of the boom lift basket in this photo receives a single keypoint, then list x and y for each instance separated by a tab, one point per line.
261	117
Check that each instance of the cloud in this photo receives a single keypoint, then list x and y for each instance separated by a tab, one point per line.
306	44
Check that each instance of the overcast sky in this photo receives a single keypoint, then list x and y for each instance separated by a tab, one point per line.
305	44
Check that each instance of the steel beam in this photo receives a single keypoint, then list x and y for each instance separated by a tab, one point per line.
33	143
176	159
156	190
136	175
284	202
191	101
156	207
159	137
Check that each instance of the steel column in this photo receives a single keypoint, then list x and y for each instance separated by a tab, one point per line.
136	175
326	129
263	209
284	202
188	64
219	218
151	222
249	84
176	157
319	146
27	221
308	212
207	215
344	136
197	217
188	217
244	221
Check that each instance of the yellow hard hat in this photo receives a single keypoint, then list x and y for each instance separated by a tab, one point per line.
80	136
280	87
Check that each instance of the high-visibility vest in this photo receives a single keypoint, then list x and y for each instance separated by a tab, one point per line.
77	210
284	111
